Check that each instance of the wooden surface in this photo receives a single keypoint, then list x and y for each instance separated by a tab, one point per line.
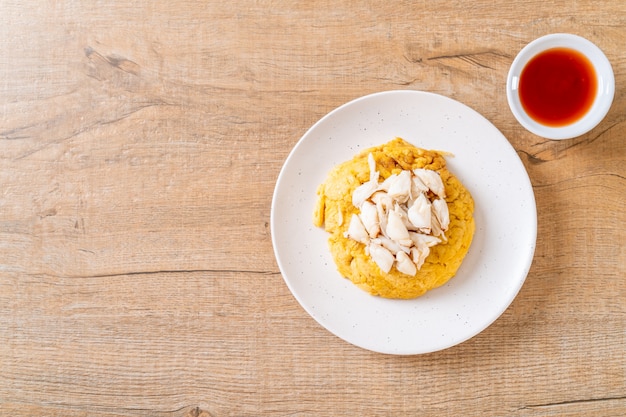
139	148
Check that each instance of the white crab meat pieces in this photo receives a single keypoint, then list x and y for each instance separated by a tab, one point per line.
400	218
356	230
420	214
400	188
421	240
440	209
417	186
391	245
384	203
404	264
396	229
365	190
382	199
436	229
419	256
432	180
369	217
381	256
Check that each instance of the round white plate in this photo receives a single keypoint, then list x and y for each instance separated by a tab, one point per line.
498	260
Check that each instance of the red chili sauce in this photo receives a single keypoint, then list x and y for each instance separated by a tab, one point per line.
557	87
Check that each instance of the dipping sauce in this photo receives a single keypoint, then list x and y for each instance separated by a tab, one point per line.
557	87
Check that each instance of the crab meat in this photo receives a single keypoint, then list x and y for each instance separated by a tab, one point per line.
356	230
440	208
396	229
393	246
369	217
365	190
384	186
436	229
383	199
400	218
419	255
400	188
404	264
381	256
417	186
384	203
420	214
432	180
421	240
400	210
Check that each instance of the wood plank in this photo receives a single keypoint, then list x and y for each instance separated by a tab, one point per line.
139	149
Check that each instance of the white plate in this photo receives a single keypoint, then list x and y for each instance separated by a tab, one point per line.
498	260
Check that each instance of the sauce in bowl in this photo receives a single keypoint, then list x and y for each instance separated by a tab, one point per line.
557	87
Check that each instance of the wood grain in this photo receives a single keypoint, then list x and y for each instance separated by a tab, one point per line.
139	148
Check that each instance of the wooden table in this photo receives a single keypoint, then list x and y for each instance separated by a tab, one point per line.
139	149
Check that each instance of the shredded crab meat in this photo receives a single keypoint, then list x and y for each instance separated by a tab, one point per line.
400	218
382	256
356	230
365	190
400	189
420	214
396	230
369	217
432	180
440	208
405	264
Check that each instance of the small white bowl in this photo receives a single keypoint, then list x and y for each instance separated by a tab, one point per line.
604	94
